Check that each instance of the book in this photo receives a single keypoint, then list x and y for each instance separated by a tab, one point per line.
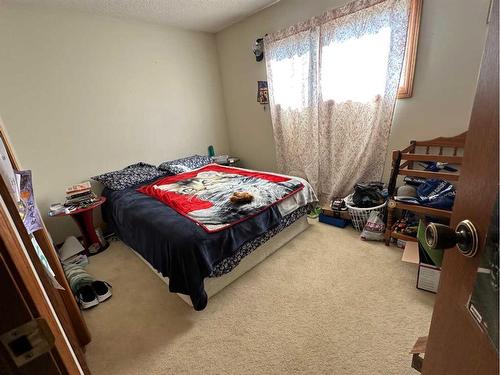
75	201
78	188
78	195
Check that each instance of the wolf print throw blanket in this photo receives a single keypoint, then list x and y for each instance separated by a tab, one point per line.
203	195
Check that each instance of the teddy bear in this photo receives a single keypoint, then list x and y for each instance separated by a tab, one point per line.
241	197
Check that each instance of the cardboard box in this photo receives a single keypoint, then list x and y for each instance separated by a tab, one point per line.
428	277
327	211
428	274
410	254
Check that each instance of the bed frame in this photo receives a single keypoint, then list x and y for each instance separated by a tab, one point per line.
214	285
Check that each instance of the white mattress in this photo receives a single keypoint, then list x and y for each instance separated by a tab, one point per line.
213	285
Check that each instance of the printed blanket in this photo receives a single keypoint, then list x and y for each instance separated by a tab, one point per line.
203	195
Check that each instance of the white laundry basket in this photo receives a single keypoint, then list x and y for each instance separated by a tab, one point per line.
359	216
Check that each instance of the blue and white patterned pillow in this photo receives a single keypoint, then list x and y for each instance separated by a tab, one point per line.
129	176
185	164
175	168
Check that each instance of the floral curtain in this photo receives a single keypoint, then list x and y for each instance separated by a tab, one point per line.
333	83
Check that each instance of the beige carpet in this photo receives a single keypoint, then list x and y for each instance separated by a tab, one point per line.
325	303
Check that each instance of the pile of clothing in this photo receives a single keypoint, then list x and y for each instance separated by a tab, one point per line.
88	291
433	193
369	194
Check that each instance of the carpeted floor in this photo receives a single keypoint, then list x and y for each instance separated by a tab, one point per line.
325	303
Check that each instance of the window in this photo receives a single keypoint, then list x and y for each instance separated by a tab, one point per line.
356	69
291	75
406	83
344	62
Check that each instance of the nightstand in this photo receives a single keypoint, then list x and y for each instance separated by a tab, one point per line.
84	219
231	161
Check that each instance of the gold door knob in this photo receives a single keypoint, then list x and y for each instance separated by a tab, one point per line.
439	236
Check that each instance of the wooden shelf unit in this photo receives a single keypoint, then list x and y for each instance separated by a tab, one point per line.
402	236
443	150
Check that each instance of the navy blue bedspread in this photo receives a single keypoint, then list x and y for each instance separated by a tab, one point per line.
174	245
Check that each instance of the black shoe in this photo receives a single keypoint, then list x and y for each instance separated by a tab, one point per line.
102	289
86	297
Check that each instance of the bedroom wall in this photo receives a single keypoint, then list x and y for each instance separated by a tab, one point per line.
451	42
82	94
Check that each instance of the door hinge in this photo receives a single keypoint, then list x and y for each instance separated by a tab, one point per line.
417	361
28	341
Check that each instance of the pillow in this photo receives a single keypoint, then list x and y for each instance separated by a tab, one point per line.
175	168
185	164
129	176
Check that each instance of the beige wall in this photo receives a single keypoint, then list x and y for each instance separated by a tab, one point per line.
83	94
451	43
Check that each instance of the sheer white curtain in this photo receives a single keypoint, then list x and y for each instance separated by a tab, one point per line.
293	64
333	83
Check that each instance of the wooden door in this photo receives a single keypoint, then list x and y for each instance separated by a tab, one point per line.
23	299
62	301
456	343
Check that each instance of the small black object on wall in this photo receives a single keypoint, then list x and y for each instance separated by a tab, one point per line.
258	49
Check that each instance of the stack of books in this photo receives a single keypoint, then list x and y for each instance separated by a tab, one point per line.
79	195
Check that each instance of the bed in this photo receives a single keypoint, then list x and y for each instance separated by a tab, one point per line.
196	260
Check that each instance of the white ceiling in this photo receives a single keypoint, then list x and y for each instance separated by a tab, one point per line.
199	15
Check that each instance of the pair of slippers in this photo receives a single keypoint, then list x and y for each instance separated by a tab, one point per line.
90	295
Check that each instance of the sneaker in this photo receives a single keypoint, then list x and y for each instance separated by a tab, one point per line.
86	297
102	289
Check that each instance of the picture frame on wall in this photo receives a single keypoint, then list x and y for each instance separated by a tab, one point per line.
262	92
